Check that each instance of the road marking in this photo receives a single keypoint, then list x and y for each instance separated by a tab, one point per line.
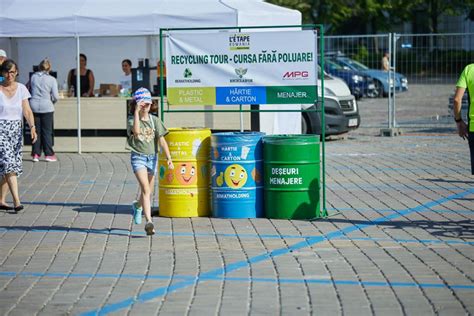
237	279
110	308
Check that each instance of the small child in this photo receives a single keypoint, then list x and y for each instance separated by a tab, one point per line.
145	134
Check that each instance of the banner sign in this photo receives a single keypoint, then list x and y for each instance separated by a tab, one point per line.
228	68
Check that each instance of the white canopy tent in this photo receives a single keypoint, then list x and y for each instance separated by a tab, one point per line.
70	18
108	31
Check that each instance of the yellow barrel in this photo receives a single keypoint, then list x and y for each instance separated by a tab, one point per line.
184	191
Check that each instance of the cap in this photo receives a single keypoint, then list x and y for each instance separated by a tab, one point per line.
142	95
3	53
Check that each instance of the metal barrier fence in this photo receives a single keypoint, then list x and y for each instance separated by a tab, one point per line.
431	65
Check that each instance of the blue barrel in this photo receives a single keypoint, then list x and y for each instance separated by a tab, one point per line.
237	175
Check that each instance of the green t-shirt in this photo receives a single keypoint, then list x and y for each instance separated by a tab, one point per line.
147	142
466	81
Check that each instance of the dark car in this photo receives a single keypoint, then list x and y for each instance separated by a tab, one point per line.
359	83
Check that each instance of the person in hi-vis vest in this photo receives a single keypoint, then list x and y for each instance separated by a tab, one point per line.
466	81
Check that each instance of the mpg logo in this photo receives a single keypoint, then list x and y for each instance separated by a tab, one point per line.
296	75
239	41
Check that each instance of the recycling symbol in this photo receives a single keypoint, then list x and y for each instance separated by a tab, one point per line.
188	73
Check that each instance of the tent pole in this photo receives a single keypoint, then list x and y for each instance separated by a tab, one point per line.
78	95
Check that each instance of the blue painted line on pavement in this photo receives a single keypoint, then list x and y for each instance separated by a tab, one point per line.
361	210
110	308
419	241
237	279
368	187
73	204
398	169
351	282
78	204
119	183
87	182
125	232
87	275
60	203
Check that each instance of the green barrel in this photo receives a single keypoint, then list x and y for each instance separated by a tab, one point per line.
291	176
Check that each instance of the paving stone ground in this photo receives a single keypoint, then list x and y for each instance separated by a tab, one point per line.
399	241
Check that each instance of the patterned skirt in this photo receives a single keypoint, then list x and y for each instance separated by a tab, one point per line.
11	143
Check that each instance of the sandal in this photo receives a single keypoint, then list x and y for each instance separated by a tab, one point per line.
4	207
18	208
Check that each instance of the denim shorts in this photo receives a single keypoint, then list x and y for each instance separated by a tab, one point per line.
140	161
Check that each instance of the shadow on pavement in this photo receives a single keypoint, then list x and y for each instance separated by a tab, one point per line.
449	181
104	208
89	207
454	229
432	130
105	231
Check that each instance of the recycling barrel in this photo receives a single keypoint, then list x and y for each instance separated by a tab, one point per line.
236	175
184	191
291	176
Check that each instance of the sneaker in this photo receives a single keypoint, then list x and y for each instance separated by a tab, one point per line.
51	158
35	158
150	228
137	212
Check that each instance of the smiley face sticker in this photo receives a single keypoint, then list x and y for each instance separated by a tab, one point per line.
186	173
235	176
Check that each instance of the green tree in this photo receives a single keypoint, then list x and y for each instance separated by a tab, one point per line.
304	6
372	16
329	13
364	16
407	10
435	8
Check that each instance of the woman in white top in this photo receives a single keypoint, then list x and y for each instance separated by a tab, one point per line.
44	93
126	78
13	105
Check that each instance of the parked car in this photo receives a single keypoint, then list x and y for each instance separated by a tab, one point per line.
340	109
379	77
464	106
359	83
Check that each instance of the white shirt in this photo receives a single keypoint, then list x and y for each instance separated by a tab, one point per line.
126	82
10	108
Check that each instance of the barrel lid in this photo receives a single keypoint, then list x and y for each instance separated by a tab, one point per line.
283	139
239	134
188	129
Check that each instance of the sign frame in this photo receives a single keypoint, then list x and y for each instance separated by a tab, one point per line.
319	29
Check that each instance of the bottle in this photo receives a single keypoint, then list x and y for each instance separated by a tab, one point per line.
139	74
71	91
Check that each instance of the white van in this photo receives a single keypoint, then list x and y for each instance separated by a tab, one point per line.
340	108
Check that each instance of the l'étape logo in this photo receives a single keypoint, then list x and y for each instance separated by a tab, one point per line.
239	41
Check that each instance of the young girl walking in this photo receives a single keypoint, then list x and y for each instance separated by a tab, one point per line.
145	135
